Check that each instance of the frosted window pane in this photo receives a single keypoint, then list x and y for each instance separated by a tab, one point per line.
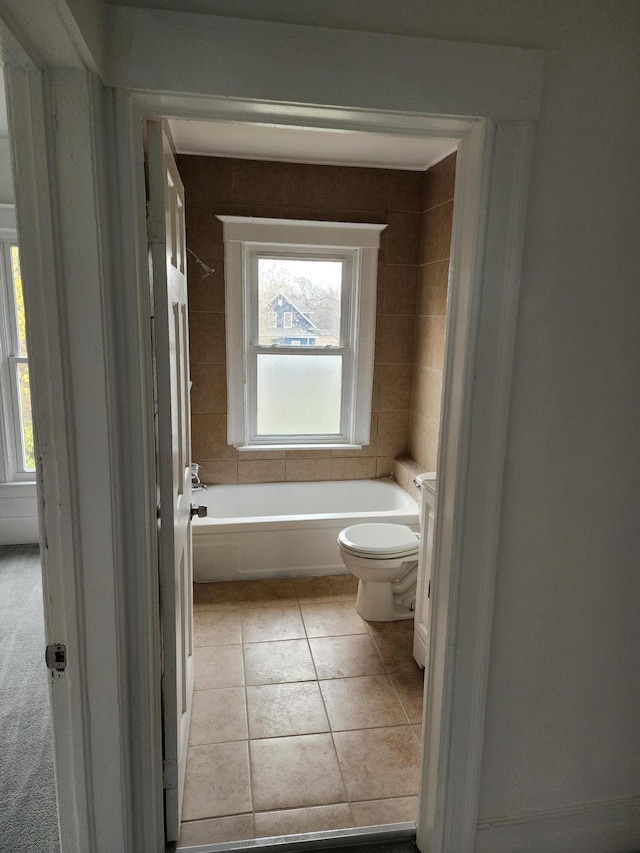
299	395
299	302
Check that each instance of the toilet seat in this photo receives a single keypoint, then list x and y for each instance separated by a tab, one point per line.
379	540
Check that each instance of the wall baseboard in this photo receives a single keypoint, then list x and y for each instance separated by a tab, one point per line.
18	514
19	531
604	827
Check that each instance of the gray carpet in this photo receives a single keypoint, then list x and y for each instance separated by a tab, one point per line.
28	820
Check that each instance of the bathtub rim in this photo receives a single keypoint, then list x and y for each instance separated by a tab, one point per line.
409	508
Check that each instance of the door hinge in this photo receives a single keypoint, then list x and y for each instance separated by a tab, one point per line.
169	773
56	658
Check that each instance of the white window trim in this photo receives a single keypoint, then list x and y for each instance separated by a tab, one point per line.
11	453
243	236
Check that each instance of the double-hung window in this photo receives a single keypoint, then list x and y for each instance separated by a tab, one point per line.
19	461
301	307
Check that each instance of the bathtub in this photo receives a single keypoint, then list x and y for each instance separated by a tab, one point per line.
270	530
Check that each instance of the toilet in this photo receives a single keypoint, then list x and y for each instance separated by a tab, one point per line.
384	558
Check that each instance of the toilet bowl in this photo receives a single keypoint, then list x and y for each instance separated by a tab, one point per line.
384	558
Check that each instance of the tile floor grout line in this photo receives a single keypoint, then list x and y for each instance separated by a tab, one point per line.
246	710
344	781
404	710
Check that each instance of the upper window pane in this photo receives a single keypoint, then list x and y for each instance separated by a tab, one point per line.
17	284
299	302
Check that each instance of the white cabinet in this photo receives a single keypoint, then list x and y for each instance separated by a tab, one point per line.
426	483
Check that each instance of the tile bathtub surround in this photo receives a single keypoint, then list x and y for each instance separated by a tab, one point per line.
431	305
305	717
216	186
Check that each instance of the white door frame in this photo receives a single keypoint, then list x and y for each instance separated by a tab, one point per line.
90	353
62	224
25	88
491	188
96	517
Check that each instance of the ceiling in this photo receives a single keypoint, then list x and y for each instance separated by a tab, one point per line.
307	145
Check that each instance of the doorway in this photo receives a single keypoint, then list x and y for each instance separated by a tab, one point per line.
473	159
377	673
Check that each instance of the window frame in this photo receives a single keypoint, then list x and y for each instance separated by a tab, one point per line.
13	455
356	245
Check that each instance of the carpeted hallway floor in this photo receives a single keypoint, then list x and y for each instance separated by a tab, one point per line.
28	820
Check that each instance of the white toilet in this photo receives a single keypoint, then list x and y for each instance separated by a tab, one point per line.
384	557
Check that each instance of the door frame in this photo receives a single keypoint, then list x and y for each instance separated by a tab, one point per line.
492	180
101	571
56	130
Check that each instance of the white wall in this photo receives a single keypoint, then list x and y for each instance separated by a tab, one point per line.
564	697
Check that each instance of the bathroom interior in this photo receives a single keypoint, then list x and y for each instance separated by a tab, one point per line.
306	716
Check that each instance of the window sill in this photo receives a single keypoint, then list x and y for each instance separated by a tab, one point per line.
248	448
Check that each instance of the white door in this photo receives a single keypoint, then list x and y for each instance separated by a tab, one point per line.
166	232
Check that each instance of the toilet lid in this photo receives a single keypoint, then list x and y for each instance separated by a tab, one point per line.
379	539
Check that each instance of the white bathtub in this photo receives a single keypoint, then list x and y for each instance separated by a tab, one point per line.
269	530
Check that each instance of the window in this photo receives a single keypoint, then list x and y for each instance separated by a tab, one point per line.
307	378
19	456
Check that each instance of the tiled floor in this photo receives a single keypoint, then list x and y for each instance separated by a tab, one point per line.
305	717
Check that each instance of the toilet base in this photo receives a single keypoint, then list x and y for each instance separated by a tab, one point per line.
375	603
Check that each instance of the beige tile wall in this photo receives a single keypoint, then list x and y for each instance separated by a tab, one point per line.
431	305
255	188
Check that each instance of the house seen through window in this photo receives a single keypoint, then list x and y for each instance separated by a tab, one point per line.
300	332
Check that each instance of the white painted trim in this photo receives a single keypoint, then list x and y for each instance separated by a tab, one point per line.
17	490
159	50
234	301
492	182
215	108
18	514
308	232
133	385
81	212
466	252
30	154
92	556
53	35
613	826
20	530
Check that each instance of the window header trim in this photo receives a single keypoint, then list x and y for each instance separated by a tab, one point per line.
283	232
